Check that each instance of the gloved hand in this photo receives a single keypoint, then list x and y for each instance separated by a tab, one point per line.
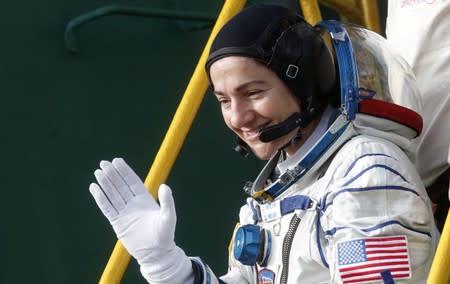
145	228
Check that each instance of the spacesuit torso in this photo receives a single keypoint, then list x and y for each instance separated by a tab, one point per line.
364	186
363	190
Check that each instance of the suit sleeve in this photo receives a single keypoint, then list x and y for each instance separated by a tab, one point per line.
377	219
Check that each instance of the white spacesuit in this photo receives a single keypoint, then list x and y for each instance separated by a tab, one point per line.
364	187
347	207
357	214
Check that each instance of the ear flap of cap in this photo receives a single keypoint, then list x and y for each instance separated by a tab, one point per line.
302	49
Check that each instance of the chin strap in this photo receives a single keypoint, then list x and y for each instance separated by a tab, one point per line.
276	131
268	134
311	108
243	149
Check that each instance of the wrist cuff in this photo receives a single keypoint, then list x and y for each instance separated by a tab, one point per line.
202	273
174	267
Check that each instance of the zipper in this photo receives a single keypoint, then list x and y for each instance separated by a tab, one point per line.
287	244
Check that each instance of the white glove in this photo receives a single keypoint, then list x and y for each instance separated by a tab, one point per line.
146	229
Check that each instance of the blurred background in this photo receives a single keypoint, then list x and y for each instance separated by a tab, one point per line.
62	112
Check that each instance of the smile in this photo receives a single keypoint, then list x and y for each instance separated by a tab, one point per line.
253	135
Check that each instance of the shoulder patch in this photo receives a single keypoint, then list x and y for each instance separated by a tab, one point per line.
371	259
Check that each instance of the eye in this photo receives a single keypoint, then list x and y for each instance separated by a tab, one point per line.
223	101
253	92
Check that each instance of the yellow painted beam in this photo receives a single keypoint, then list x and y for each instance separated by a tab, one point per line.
440	268
371	15
348	9
174	139
311	11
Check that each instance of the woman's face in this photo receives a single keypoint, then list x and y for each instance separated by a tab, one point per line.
252	97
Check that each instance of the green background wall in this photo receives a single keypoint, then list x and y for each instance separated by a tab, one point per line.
62	113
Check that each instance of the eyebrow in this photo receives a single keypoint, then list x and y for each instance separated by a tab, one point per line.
243	86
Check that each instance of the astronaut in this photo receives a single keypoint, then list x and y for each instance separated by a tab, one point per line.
339	200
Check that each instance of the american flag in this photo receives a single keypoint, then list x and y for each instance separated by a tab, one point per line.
363	260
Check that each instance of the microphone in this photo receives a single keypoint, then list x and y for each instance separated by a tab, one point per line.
276	131
241	147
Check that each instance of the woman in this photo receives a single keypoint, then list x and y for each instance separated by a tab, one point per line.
338	183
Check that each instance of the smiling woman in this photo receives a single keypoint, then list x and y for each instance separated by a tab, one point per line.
252	97
333	203
290	60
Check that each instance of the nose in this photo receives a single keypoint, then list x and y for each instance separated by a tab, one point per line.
241	114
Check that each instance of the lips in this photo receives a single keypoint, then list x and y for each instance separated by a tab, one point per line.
250	135
253	135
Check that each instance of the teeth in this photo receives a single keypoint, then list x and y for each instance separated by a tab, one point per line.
252	132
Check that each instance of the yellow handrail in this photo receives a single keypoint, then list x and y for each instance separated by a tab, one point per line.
174	138
440	268
362	12
371	15
311	11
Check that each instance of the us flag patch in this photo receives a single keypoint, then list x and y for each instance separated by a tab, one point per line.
363	260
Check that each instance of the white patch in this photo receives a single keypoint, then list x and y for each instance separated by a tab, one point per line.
270	211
